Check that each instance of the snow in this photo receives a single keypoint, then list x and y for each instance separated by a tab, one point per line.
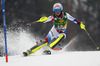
19	41
23	40
88	58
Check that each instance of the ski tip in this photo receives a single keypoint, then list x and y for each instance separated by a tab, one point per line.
25	54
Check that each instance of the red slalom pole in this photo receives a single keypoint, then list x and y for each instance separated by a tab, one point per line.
6	58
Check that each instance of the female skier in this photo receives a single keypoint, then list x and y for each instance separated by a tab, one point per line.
58	30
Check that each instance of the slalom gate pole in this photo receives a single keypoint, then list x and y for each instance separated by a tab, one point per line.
4	23
92	40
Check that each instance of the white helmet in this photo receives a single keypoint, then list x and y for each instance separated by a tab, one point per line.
57	7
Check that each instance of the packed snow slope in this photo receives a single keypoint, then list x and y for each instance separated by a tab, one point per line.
20	41
88	58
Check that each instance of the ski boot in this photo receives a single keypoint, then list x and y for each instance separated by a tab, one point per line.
28	52
47	52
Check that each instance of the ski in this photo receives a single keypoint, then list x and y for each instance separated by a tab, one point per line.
35	48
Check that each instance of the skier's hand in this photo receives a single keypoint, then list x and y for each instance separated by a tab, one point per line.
42	19
82	26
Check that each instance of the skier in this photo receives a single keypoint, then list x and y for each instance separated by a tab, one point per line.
58	30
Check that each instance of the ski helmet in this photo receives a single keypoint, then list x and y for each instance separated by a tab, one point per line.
57	7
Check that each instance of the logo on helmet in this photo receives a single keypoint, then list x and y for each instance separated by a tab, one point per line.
57	6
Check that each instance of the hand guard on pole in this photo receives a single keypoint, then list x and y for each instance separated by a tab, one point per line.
42	19
82	26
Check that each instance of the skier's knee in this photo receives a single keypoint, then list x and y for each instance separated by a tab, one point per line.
57	41
63	34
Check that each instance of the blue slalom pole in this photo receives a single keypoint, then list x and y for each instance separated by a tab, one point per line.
4	22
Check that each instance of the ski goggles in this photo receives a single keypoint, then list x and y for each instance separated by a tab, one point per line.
57	10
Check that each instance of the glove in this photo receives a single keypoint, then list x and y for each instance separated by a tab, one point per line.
42	19
82	26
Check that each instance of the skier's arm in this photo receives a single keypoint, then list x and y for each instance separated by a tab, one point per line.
82	26
72	19
50	18
45	19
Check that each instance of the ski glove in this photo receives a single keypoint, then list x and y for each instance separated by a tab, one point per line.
42	19
82	26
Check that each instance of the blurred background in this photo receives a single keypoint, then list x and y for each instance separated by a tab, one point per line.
20	12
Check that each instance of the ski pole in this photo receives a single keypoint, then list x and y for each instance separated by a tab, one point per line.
92	39
83	27
42	19
28	24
